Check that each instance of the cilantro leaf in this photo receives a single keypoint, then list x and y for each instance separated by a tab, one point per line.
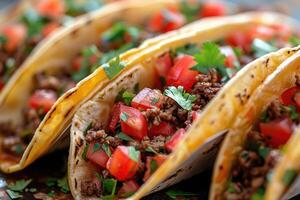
127	97
63	184
189	11
106	148
33	21
209	57
14	195
125	137
150	150
294	41
262	48
113	67
183	98
153	166
133	153
289	176
174	194
96	147
19	185
109	186
84	152
294	115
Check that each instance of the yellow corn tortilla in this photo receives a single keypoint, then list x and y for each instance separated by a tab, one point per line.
229	102
57	51
271	89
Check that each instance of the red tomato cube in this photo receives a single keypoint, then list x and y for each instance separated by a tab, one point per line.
174	140
212	8
98	157
115	116
164	128
122	165
128	188
42	99
152	163
133	122
15	35
147	98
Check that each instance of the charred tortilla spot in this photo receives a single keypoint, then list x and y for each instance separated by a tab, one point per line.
267	62
214	146
75	180
52	111
76	163
69	111
174	175
221	107
239	96
222	96
89	19
212	122
76	151
80	142
74	33
252	76
70	93
221	167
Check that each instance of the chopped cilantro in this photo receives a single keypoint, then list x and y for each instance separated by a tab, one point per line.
133	153
125	96
183	98
231	188
189	11
259	194
83	155
294	41
33	21
153	166
174	194
263	151
109	197
189	49
124	116
89	126
109	186
262	48
113	67
264	117
19	149
50	182
19	185
96	147
51	193
238	51
106	148
294	115
32	190
125	137
210	57
3	39
14	195
289	176
63	184
150	150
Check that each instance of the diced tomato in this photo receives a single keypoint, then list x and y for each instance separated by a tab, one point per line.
163	65
49	28
284	31
128	188
195	115
152	163
262	32
134	124
76	63
147	98
288	96
51	8
42	99
121	165
230	56
115	116
175	139
181	73
279	131
166	20
164	128
98	157
239	39
212	8
15	35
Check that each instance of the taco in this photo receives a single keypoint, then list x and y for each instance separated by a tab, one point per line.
66	58
258	159
160	106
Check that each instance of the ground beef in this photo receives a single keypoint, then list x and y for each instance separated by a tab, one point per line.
95	135
92	187
207	86
250	171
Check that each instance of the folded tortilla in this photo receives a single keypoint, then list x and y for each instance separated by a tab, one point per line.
202	138
284	77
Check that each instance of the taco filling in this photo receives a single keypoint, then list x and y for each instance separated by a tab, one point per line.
49	86
19	38
265	143
146	125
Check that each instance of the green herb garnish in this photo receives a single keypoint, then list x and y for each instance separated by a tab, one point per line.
153	166
125	137
294	115
63	184
289	176
127	97
133	154
294	41
262	48
96	147
184	99
113	67
109	186
124	116
83	155
14	195
210	57
19	185
106	148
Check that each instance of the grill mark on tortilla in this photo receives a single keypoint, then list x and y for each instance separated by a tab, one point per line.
267	62
75	180
239	97
76	163
51	112
74	32
212	122
214	146
252	76
76	151
89	19
221	107
80	142
173	176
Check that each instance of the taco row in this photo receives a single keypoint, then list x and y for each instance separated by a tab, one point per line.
153	115
69	56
